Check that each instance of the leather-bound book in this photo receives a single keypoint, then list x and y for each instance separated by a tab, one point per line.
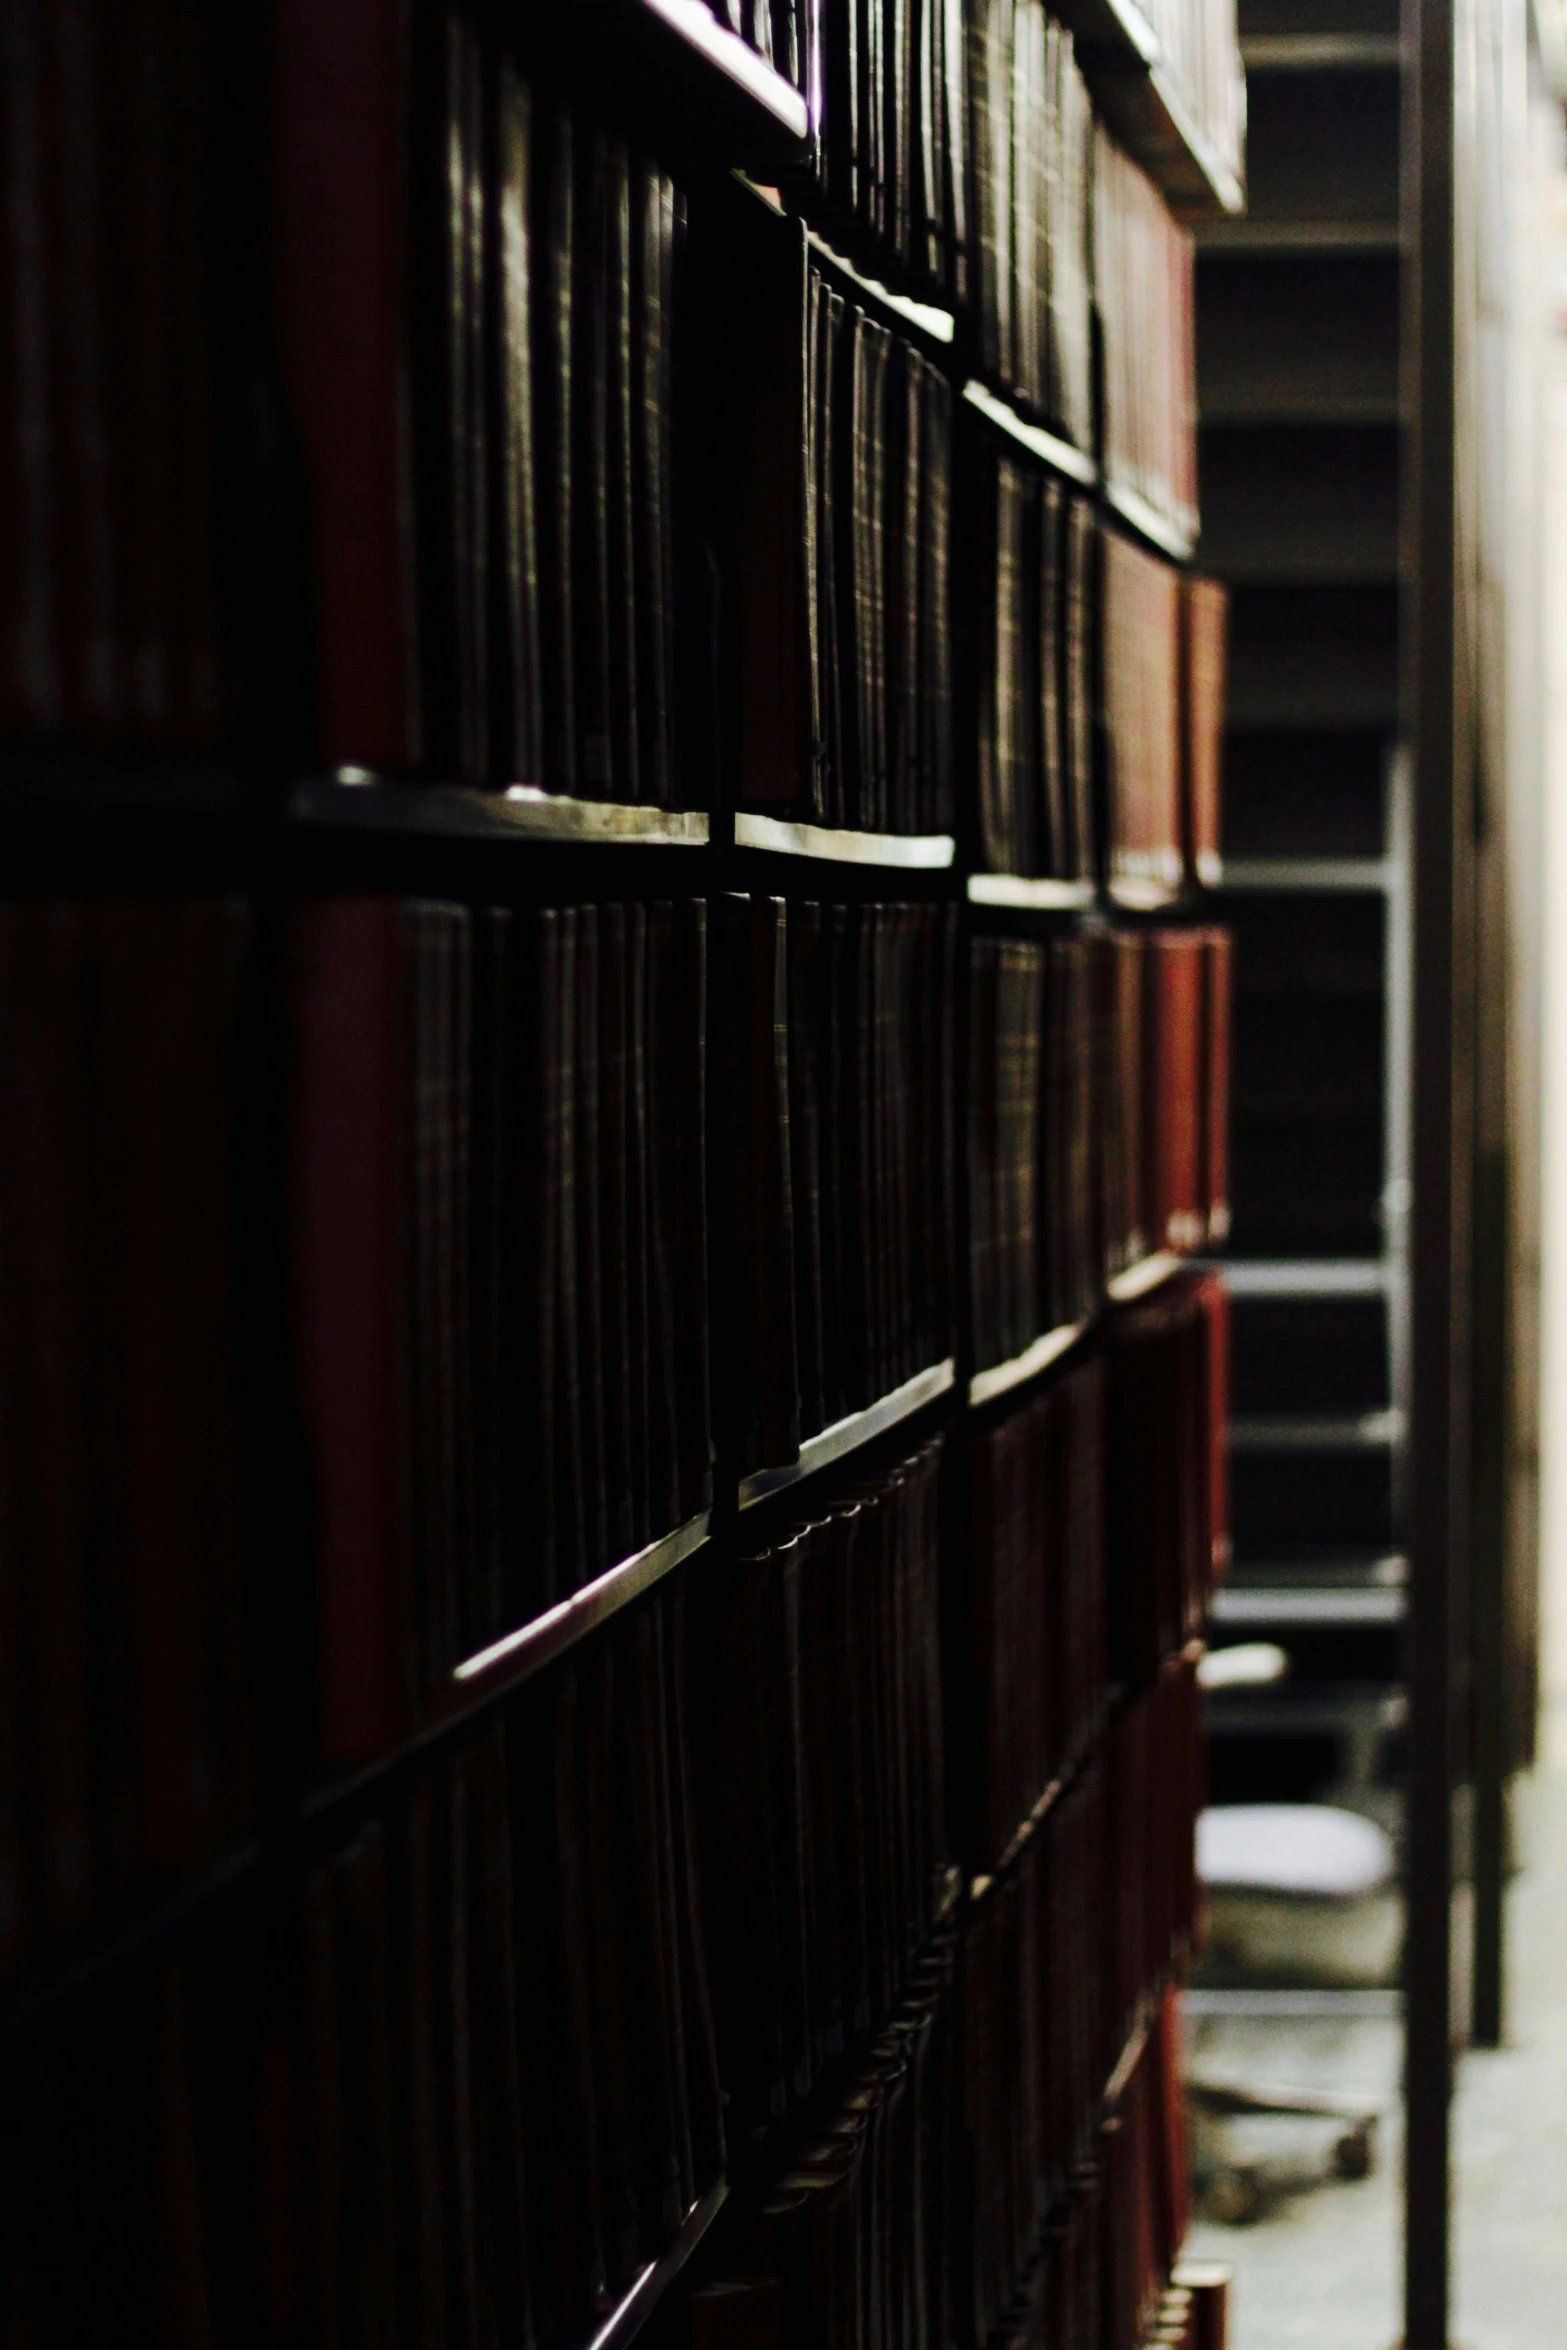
1141	670
657	219
1082	542
935	653
623	620
591	1239
1055	841
666	1202
686	1074
503	2304
615	1211
515	448
806	956
607	1694
340	98
1218	979
600	161
904	498
639	1138
557	333
1205	607
1174	1108
349	1130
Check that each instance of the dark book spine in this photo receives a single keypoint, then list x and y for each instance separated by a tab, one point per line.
623	620
557	329
516	450
590	1239
593	582
688	1065
805	1080
654	226
665	1257
615	1189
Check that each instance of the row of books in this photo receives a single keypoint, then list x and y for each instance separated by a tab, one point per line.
1163	675
1099	2282
458	2084
827	481
1098	1114
850	2242
815	1686
1033	650
887	185
1199	55
109	413
477	326
1031	148
499	1240
1027	1670
1059	1953
1144	293
833	1217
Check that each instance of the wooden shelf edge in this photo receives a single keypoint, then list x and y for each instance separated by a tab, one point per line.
1048	447
1017	891
354	802
780	836
1001	1378
1145	1275
931	319
520	1654
626	2321
846	1436
1175	539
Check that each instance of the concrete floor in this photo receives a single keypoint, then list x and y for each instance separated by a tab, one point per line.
1321	2268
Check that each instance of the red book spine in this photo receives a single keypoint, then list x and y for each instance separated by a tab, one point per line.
1217	969
349	1323
339	95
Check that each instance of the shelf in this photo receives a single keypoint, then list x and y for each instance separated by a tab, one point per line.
1288	1711
1119	52
1047	446
1306	1277
1291	1432
1016	891
848	1435
1299	236
533	1645
1303	1606
683	73
1146	1274
930	852
1284	2004
626	2321
1172	538
985	1386
928	318
1321	52
355	800
1308	876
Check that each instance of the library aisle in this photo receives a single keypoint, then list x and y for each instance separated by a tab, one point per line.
1322	2264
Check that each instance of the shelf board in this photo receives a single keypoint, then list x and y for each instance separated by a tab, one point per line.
848	1435
1321	52
1176	539
1299	236
1285	2004
1309	876
533	1645
1306	1276
1001	1378
1304	1606
1048	447
1146	1274
684	75
1017	891
627	2319
355	800
1290	1432
930	852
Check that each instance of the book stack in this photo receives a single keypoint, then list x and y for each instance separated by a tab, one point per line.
598	1570
477	321
830	511
1030	153
500	1265
128	1746
1143	293
1197	52
816	1685
888	187
832	1193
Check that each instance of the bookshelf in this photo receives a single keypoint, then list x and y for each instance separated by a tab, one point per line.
631	860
